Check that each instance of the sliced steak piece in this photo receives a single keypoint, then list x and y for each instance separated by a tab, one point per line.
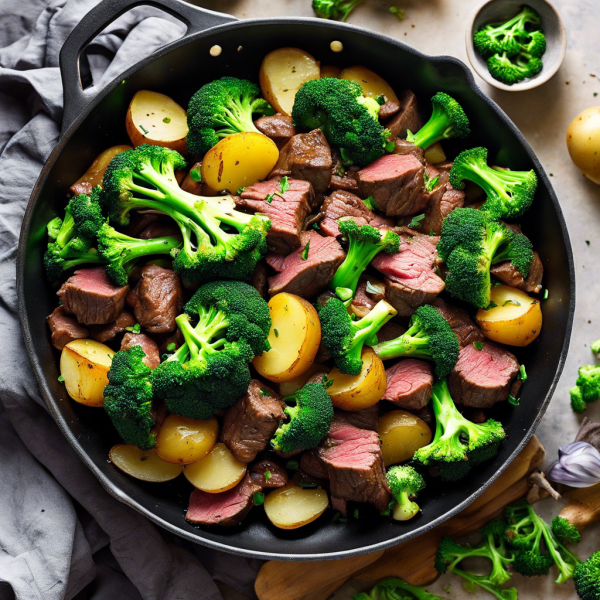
140	221
406	147
342	178
461	323
92	297
148	345
309	277
439	207
340	505
482	377
366	418
106	333
280	128
510	275
407	118
64	329
259	278
306	156
157	299
312	465
277	475
409	383
395	181
355	465
160	228
227	508
364	301
287	211
250	423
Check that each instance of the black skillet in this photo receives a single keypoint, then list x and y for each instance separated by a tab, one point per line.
95	119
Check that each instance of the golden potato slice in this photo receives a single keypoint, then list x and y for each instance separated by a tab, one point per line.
182	440
583	142
218	471
93	176
294	337
435	154
84	365
156	119
355	392
516	320
402	434
239	160
373	85
330	71
292	506
143	464
282	72
287	388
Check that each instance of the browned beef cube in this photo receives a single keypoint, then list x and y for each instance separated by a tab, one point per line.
409	383
340	505
407	118
163	227
251	422
287	210
312	465
511	276
439	207
342	178
64	329
389	108
189	184
406	147
309	277
366	418
268	473
306	156
280	128
106	333
364	301
147	344
92	297
157	299
460	322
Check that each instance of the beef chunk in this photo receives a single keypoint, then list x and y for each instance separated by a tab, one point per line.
160	228
340	505
407	118
306	156
157	299
313	466
106	333
409	383
396	183
92	297
363	301
461	323
287	211
389	108
439	207
280	128
259	278
355	464
408	148
64	329
309	277
390	331
482	377
510	275
278	476
148	345
342	178
189	184
251	422
227	508
366	418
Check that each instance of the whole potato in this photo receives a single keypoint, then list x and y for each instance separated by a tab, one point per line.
583	142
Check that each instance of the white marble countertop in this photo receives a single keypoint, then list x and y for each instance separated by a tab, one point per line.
542	114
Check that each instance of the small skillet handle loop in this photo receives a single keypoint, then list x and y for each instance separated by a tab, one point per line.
75	99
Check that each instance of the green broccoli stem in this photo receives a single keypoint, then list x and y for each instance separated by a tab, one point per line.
237	121
133	249
67	230
414	343
404	508
482	582
439	127
369	325
199	339
90	258
494	181
360	254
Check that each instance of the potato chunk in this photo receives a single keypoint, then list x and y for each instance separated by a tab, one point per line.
182	440
218	471
402	434
143	464
292	506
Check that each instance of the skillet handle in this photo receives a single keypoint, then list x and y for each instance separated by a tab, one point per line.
75	99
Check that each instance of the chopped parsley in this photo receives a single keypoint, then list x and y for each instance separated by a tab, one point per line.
416	221
478	345
355	514
269	198
512	400
61	378
305	251
292	465
171	347
335	517
380	100
389	146
326	381
166	120
522	373
370	203
144	130
259	498
343	520
284	185
512	302
265	392
196	174
240	190
304	485
545	296
267	475
432	183
276	332
315	226
398	12
135	329
491	305
431	232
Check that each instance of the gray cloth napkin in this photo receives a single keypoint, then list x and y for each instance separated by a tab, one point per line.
61	534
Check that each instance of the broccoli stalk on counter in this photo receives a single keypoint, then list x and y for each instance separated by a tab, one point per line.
458	444
587	387
335	9
221	108
405	483
394	588
429	336
587	578
448	120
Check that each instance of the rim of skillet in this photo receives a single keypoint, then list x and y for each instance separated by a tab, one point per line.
106	483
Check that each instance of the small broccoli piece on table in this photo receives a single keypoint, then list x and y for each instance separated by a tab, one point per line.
448	120
405	483
338	108
429	336
393	588
219	242
310	419
525	533
509	193
128	398
565	532
365	243
335	9
220	108
344	338
587	578
458	444
587	387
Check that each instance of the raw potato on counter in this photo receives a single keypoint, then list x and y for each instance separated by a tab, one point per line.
218	471
583	142
292	506
143	464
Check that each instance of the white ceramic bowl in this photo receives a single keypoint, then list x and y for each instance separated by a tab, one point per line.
493	11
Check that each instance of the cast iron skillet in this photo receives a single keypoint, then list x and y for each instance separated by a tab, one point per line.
94	120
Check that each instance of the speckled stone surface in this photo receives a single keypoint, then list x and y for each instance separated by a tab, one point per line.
542	114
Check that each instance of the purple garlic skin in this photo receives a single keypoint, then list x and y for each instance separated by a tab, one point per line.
578	465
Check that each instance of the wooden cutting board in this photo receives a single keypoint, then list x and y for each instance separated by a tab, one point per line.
413	561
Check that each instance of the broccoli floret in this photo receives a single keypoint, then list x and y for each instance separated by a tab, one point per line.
429	336
221	108
120	252
334	106
587	578
595	347
344	338
310	419
87	213
335	9
404	482
448	120
393	588
566	533
506	37
537	45
509	193
587	387
525	533
365	243
511	70
128	398
458	444
219	242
